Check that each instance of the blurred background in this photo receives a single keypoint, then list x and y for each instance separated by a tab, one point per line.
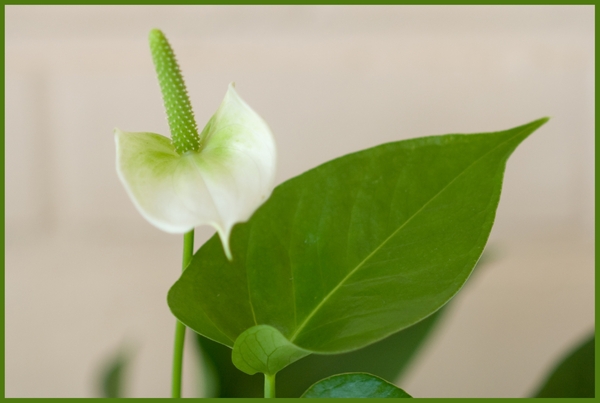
85	274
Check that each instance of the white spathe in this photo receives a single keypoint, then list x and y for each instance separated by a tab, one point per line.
221	185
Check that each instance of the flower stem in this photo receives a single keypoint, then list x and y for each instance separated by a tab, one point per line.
269	385
188	252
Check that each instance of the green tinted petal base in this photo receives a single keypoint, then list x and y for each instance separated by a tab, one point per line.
221	185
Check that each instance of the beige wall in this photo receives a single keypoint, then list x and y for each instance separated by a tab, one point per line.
85	273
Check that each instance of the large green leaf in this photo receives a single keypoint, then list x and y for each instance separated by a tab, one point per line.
355	249
354	385
574	376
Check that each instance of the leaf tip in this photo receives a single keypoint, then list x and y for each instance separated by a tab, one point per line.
539	122
543	120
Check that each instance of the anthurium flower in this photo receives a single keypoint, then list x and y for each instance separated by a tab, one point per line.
217	177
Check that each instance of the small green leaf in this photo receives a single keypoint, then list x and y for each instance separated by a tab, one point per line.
113	377
264	349
356	249
574	376
354	385
112	380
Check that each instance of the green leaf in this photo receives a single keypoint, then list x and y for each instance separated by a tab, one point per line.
574	376
113	378
387	359
356	249
264	349
354	385
111	384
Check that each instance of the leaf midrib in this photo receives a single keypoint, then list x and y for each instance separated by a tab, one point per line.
351	273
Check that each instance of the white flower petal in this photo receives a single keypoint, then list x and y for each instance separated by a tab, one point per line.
221	185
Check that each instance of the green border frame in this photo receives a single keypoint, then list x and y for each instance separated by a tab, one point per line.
263	2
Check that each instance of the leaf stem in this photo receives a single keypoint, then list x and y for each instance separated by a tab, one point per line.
269	385
188	252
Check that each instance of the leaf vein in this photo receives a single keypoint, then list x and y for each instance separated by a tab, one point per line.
360	265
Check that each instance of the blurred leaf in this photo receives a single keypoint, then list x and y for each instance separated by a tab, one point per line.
113	375
209	375
228	380
354	385
575	375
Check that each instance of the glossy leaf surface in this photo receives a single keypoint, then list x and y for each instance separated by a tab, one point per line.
264	349
354	385
574	376
355	249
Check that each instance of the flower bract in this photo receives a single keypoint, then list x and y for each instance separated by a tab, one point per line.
221	184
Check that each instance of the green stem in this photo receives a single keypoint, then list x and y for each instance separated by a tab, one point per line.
188	249
188	252
178	359
269	385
